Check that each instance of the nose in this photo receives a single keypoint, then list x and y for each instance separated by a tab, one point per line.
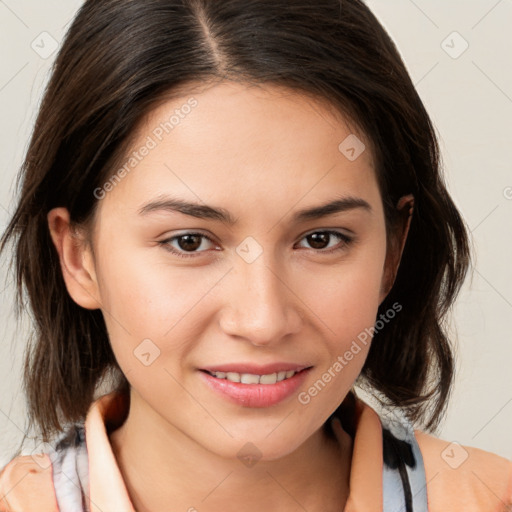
260	307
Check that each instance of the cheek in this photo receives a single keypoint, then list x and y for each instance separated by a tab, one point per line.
346	306
145	295
346	298
152	300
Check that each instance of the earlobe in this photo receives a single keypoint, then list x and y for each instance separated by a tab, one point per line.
76	262
405	207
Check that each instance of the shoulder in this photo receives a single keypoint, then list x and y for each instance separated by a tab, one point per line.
464	478
26	484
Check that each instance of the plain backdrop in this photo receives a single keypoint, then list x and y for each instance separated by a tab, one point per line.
459	56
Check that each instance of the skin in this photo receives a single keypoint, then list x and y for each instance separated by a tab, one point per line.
262	153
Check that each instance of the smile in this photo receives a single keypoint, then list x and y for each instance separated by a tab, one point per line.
251	378
254	389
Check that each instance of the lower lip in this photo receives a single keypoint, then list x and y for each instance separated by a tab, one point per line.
256	395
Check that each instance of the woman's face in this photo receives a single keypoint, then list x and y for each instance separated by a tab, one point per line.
254	285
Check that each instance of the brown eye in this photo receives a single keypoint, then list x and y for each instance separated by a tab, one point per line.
320	240
189	242
185	243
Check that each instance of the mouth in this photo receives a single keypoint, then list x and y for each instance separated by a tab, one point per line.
256	387
253	378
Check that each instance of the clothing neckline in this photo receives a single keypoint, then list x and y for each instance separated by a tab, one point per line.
108	491
386	465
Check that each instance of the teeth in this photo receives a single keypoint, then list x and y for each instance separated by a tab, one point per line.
268	379
250	378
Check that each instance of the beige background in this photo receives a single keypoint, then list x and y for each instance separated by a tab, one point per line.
469	97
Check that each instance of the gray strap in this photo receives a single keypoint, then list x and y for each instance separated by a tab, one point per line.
71	471
400	439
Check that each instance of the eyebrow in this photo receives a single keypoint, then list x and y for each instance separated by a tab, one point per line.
202	211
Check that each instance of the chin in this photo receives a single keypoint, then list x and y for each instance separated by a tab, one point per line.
262	445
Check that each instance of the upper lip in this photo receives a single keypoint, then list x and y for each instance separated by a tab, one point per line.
255	369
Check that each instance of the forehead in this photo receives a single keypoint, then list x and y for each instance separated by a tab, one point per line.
250	115
232	139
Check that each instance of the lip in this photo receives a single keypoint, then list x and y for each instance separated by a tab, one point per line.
256	369
255	395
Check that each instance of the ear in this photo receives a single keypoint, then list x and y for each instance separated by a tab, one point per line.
405	207
76	260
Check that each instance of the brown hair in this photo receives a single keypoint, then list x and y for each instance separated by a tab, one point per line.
121	58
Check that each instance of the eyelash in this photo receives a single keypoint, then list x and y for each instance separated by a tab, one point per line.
347	241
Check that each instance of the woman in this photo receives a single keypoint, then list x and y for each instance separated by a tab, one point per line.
231	213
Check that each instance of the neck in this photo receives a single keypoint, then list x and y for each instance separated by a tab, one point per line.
163	466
